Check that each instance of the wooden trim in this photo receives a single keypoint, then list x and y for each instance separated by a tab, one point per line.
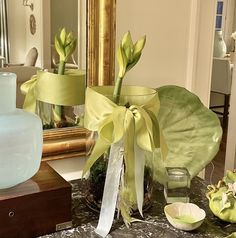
64	143
101	42
92	41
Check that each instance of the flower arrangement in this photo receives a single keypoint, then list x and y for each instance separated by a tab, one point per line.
138	128
65	44
47	93
126	127
128	55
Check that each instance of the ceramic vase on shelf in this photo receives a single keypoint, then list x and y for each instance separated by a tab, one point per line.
219	45
21	137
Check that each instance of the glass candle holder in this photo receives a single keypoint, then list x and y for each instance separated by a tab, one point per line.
177	186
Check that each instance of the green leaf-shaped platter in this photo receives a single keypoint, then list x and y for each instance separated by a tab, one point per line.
191	130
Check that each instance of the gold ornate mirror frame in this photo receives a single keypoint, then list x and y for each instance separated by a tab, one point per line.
71	142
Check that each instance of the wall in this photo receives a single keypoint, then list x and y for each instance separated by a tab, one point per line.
166	25
69	10
16	30
171	50
21	40
35	40
64	13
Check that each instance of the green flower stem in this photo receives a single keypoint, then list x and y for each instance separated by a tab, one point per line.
59	110
61	68
117	90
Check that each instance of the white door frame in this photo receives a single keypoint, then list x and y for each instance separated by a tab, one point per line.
200	83
203	38
230	157
200	50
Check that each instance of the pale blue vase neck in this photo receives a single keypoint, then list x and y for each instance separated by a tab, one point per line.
7	93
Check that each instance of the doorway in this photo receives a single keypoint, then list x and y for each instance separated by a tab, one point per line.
225	25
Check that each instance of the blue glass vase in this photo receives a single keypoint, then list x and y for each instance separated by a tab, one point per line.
21	137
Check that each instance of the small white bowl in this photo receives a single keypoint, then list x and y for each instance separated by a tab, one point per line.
184	216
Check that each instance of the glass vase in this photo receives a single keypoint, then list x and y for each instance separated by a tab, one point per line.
96	182
69	116
21	137
98	172
58	98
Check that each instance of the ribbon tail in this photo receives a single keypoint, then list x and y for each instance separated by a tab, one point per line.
163	145
139	176
100	147
28	89
111	189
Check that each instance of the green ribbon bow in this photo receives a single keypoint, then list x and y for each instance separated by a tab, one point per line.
136	123
65	90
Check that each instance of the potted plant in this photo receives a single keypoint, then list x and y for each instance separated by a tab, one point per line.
132	135
48	93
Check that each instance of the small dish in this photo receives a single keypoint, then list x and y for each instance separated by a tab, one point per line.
184	216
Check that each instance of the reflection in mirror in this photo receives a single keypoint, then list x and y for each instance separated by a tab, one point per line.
70	20
65	142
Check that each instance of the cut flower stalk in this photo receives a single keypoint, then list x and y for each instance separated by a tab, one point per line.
65	45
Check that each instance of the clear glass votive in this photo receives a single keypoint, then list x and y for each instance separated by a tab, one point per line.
177	186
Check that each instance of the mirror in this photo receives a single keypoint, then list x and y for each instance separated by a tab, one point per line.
71	142
98	50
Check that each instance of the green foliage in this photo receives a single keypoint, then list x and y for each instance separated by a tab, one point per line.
65	44
98	171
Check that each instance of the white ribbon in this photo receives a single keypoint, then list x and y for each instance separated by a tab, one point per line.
111	189
139	176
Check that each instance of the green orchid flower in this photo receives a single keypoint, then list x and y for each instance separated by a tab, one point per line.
128	55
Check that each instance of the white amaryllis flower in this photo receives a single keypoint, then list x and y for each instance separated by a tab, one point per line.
233	35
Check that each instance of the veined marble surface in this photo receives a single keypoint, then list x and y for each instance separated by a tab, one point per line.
156	225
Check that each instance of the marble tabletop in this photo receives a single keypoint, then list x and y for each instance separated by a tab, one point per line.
85	220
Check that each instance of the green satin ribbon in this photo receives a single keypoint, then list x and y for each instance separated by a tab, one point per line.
64	90
233	235
136	122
